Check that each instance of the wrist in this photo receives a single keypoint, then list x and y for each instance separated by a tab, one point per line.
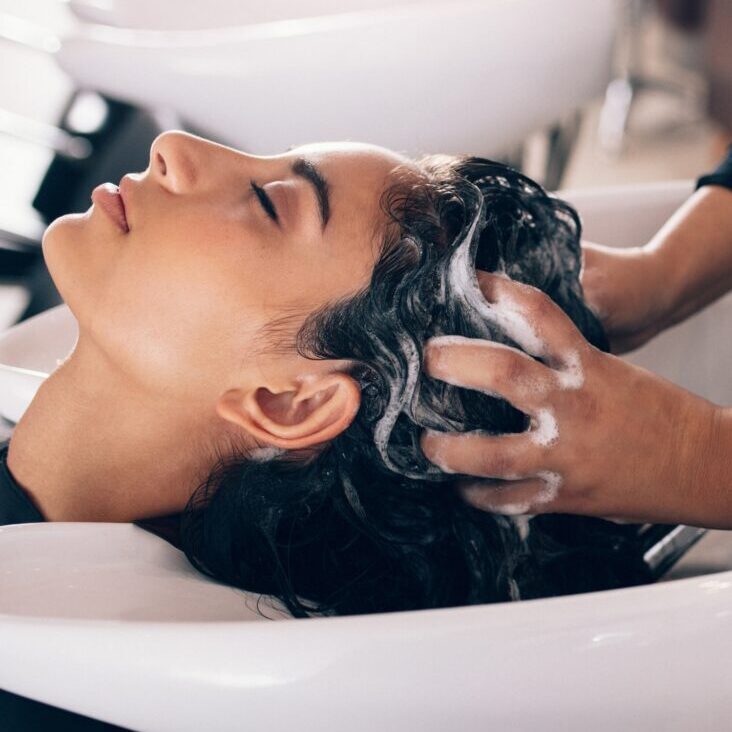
663	285
707	458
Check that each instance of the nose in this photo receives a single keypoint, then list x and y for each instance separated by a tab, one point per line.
178	160
183	163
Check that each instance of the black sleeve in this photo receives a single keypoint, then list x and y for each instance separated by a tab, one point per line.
722	176
16	506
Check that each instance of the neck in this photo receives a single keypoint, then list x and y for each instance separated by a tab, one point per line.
99	449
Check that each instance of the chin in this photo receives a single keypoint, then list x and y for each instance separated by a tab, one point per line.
64	229
62	245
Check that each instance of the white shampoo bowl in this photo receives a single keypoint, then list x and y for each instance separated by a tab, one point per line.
109	621
451	77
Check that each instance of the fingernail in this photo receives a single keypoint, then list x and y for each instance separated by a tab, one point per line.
428	441
484	497
437	353
432	355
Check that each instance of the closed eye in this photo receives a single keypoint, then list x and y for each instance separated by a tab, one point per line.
266	202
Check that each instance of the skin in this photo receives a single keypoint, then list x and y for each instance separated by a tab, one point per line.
641	291
631	445
171	372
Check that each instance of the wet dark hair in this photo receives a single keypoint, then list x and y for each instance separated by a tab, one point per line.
368	524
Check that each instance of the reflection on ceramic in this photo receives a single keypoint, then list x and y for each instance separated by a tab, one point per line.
114	572
449	77
174	15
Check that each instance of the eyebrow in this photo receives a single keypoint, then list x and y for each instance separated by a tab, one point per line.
307	169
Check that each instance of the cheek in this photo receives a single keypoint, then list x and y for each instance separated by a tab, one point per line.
177	344
179	317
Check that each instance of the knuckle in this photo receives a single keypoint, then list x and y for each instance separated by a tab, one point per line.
498	465
580	500
511	368
586	352
538	304
588	408
541	457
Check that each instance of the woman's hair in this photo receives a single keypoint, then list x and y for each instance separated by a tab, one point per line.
369	524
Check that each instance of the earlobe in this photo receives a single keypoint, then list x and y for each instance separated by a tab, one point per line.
306	413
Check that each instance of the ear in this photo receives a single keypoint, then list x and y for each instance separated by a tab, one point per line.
302	415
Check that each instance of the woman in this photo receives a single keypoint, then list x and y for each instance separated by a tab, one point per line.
251	335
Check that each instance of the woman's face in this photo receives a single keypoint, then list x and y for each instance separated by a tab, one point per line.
177	300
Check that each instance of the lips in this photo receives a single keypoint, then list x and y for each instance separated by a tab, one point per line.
107	197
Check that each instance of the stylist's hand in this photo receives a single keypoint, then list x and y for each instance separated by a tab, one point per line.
627	290
607	438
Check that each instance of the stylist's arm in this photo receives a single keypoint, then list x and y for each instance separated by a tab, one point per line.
606	438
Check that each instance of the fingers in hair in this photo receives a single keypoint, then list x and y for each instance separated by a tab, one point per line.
506	457
492	368
531	495
532	319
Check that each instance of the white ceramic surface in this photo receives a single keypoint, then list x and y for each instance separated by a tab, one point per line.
111	625
110	572
108	621
418	77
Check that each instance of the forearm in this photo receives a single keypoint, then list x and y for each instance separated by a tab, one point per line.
694	252
710	494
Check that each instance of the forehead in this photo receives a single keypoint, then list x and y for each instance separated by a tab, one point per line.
355	161
357	174
354	150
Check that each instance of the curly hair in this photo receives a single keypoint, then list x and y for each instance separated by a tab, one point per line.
369	524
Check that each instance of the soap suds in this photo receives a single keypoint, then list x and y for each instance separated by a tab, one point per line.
521	524
264	454
513	509
503	314
399	398
546	431
520	510
513	589
571	375
506	314
552	483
